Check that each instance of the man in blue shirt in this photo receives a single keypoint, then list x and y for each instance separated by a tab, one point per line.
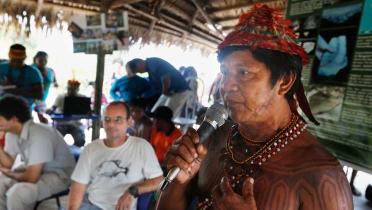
20	79
49	78
165	80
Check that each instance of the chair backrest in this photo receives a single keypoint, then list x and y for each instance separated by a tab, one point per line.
76	105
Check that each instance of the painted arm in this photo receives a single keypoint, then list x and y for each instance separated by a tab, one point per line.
178	193
331	192
187	153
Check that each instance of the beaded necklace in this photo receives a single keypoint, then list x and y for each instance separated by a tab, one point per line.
237	170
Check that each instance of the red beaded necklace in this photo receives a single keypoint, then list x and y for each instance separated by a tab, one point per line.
238	170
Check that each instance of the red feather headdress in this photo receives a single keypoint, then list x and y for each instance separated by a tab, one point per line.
266	28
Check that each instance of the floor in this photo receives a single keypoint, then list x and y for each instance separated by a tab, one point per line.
361	182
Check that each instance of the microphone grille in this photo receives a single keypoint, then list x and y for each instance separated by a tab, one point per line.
216	113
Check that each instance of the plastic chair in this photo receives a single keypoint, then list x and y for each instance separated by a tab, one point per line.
55	196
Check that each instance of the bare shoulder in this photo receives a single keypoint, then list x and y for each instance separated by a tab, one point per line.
314	176
306	153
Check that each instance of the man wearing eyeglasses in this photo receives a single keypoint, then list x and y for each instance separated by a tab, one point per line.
112	172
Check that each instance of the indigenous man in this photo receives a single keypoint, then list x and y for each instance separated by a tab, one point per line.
264	158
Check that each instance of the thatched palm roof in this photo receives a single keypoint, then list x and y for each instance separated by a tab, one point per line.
188	23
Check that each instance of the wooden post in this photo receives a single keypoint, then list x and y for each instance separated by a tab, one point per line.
98	92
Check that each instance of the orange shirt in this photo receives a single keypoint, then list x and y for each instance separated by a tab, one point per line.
162	142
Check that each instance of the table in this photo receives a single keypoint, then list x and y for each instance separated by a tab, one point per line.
62	117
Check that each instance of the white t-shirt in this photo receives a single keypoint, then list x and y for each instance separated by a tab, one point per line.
109	172
38	144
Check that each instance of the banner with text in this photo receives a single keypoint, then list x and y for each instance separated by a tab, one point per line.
337	35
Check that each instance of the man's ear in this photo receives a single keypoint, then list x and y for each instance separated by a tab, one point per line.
285	83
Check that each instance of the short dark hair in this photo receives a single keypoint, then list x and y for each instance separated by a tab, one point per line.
17	47
132	64
279	64
14	106
41	54
138	102
121	103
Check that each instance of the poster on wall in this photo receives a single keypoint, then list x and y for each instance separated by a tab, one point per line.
108	31
338	80
335	44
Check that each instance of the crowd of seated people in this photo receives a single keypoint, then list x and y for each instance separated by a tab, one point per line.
110	173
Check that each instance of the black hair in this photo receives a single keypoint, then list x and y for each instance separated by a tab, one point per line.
41	54
133	64
17	47
121	103
279	64
14	106
190	71
138	102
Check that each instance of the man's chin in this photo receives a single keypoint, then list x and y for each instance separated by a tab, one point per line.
111	136
238	116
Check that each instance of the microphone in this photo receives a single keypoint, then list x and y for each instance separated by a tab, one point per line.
215	116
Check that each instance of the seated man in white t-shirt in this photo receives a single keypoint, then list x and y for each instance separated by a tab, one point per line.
35	163
112	172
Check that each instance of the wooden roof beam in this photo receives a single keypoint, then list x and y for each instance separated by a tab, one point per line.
211	45
58	5
156	12
207	37
245	5
206	34
151	17
157	7
207	18
193	19
38	7
74	4
228	8
115	4
230	18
